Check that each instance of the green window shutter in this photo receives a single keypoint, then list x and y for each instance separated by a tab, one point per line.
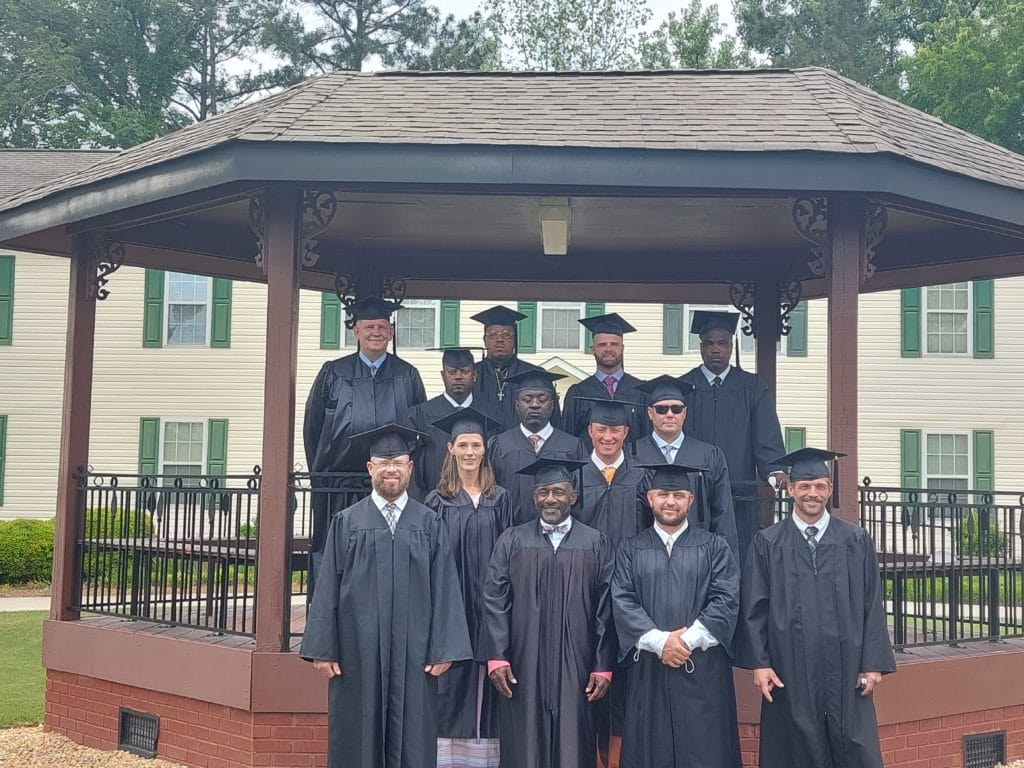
330	321
217	448
220	324
153	309
593	309
796	342
149	446
796	438
526	333
984	460
6	299
450	322
910	458
910	322
984	319
672	329
3	455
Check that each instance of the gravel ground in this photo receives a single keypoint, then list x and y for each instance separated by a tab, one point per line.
32	748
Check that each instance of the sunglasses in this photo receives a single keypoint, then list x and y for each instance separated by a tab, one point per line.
661	410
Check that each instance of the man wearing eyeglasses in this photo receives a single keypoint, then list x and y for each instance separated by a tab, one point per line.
387	618
493	392
667	444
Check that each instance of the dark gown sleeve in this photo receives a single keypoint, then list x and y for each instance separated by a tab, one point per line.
498	600
320	639
420	487
767	434
877	654
752	638
449	634
503	509
313	417
569	414
723	515
580	450
721	606
606	652
631	620
418	393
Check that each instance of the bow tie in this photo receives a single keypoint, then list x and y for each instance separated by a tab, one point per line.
548	529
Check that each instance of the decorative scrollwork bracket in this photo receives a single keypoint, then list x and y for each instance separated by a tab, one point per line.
318	211
810	215
741	295
876	221
258	225
106	256
395	289
789	299
345	290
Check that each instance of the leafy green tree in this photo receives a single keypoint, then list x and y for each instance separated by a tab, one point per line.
692	39
457	44
970	72
569	34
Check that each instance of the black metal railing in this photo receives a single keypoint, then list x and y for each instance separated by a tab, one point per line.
178	550
316	494
950	560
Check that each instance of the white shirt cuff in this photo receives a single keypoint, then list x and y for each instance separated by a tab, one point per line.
653	640
698	638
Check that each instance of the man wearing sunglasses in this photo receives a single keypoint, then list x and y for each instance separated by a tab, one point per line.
666	444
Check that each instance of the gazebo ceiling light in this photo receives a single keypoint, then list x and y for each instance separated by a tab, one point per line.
555	222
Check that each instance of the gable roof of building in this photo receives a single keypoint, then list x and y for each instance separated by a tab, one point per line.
23	169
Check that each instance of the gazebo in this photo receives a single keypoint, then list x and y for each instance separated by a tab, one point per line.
760	188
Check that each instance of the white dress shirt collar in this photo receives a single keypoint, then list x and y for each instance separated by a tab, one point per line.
676	444
667	537
821	525
599	462
380	501
557	536
464	404
711	376
545	433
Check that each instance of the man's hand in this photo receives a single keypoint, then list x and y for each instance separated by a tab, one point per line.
676	652
867	681
778	480
328	669
765	680
503	680
437	669
597	687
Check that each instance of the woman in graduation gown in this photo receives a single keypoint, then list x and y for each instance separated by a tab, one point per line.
475	511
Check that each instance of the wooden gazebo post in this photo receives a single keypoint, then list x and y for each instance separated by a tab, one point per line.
279	210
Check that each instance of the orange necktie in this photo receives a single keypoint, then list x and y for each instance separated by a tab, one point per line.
609	473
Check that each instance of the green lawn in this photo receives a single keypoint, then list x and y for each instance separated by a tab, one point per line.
23	680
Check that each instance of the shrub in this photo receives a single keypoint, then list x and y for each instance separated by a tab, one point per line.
980	540
26	551
112	567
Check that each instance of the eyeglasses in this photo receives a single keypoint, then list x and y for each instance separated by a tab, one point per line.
661	410
390	463
498	335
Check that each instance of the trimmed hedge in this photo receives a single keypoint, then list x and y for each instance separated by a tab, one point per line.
26	551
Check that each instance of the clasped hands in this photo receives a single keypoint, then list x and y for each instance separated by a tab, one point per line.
503	680
331	669
676	652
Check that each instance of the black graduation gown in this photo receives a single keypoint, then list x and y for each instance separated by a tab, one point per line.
472	534
384	608
713	506
548	614
511	451
430	455
818	632
576	414
344	401
675	718
739	418
485	391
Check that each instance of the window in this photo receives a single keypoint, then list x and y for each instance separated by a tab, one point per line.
416	325
947	319
947	461
183	448
559	326
187	312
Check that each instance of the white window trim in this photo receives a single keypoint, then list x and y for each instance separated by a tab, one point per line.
541	306
167	311
434	304
970	323
925	434
204	423
688	309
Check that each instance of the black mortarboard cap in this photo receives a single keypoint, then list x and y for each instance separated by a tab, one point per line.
547	470
670	477
611	323
467	421
809	464
457	357
706	320
665	388
498	315
613	413
387	441
536	379
372	308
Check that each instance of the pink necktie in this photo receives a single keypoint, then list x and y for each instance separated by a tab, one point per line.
535	442
609	384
